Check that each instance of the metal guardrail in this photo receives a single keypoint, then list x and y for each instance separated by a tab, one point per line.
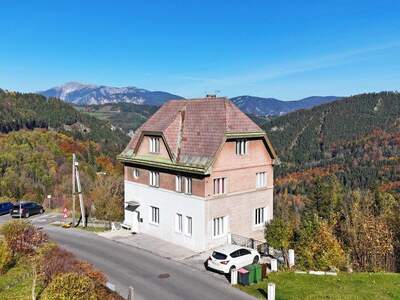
261	247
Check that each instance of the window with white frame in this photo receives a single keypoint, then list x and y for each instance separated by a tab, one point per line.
189	226
183	184
179	223
155	215
135	173
241	147
261	180
178	183
220	186
188	185
154	144
154	178
259	217
218	226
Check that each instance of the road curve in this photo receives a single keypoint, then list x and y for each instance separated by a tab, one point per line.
128	266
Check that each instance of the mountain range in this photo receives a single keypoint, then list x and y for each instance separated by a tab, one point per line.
89	94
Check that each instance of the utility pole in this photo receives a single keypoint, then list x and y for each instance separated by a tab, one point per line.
73	189
78	185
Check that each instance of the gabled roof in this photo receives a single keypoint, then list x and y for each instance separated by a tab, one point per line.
194	131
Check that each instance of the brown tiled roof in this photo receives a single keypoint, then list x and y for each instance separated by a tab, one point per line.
195	129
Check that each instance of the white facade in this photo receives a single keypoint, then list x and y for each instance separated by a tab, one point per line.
170	204
210	220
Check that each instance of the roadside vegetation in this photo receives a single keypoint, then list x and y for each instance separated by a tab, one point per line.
31	267
34	164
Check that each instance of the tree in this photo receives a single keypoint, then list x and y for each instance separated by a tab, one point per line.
279	234
318	248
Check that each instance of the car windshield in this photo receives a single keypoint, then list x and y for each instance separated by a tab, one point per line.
218	255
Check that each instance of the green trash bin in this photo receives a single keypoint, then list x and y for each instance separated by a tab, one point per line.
252	273
258	273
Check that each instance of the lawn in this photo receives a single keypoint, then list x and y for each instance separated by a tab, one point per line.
17	282
343	286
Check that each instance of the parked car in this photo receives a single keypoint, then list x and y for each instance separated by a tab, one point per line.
5	207
26	209
228	257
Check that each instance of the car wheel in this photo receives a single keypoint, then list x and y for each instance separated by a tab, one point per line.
27	215
256	259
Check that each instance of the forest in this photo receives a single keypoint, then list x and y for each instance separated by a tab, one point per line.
336	187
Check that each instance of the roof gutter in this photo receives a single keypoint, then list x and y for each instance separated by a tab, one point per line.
162	165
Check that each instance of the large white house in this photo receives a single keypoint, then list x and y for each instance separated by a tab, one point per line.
197	170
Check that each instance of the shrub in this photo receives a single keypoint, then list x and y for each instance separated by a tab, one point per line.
6	257
318	247
52	261
6	199
70	286
88	270
22	237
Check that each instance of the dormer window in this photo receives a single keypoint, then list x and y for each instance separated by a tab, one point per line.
241	147
154	144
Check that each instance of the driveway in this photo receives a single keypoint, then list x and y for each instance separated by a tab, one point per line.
152	277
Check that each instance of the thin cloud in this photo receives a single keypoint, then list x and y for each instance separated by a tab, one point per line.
288	69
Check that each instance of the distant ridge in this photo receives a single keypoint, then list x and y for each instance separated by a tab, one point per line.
90	94
274	107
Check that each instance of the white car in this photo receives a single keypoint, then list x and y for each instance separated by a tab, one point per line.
228	257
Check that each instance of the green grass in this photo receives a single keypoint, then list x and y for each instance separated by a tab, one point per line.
343	286
17	282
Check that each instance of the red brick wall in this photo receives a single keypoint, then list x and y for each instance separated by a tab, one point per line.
241	170
167	180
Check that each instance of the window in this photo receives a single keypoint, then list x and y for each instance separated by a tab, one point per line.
135	173
241	147
154	144
259	216
219	186
218	226
244	252
188	185
155	215
154	179
179	223
183	184
189	226
261	180
178	183
235	253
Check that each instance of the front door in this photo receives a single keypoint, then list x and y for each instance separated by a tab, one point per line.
135	222
132	216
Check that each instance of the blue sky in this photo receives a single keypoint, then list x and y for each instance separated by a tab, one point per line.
282	49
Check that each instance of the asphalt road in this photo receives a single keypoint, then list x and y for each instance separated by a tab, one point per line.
128	266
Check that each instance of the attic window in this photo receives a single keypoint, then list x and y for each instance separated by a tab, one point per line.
241	147
154	145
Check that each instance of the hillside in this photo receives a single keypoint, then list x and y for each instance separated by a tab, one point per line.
28	111
356	138
274	107
126	116
89	94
